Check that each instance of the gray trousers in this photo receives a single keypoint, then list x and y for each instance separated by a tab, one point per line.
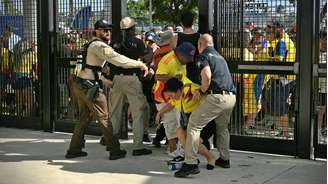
129	86
213	106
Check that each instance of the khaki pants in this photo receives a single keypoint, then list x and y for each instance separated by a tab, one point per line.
170	121
129	86
87	110
213	106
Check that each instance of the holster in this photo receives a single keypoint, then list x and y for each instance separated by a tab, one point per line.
93	88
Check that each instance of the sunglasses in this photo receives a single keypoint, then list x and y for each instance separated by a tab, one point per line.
106	30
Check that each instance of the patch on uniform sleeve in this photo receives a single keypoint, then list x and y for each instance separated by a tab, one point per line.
108	50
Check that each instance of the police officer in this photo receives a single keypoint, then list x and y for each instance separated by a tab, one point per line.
217	103
91	99
126	83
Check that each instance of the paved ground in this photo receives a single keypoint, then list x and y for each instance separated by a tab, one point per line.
34	157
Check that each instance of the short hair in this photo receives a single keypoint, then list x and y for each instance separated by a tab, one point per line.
173	85
187	19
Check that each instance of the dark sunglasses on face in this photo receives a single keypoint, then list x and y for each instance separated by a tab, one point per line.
106	30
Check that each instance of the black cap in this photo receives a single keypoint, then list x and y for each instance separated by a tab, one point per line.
102	24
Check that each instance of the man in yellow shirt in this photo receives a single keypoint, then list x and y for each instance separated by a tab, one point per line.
285	51
172	65
181	97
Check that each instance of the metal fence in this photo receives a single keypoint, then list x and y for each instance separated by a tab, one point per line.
253	32
74	28
321	79
19	74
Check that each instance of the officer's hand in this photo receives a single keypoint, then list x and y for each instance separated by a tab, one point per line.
145	69
197	95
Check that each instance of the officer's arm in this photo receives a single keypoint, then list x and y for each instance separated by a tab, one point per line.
206	75
107	53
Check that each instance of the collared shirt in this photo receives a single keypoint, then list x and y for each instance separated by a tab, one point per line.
221	76
99	52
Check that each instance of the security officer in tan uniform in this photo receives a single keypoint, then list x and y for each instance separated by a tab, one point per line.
126	83
217	94
91	99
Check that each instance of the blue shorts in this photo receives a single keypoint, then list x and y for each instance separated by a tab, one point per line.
22	82
4	80
279	96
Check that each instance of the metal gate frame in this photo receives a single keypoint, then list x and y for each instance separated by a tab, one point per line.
302	146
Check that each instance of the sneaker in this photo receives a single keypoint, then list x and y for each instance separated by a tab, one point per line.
70	154
222	163
114	155
146	138
186	170
142	151
156	143
177	159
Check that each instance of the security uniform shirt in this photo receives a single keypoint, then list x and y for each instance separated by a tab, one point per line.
133	48
99	52
221	77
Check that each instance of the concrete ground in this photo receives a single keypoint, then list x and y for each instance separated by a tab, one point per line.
34	157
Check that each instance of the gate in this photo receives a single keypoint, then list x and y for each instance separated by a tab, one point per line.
19	64
74	28
258	40
320	81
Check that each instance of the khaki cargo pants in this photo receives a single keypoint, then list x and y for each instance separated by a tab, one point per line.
129	86
213	106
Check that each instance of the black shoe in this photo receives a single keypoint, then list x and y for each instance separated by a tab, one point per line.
114	155
222	163
83	143
156	143
70	154
143	151
209	167
146	138
187	169
102	141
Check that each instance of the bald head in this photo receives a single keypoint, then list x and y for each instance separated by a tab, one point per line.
205	41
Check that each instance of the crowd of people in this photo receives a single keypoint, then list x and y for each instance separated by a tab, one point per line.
18	73
177	75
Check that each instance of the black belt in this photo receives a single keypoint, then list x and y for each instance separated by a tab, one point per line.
133	74
222	92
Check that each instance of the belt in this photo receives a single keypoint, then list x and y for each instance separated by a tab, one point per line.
222	92
122	74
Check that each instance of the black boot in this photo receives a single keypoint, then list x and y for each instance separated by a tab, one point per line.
71	154
142	151
146	138
222	163
114	155
102	141
187	169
